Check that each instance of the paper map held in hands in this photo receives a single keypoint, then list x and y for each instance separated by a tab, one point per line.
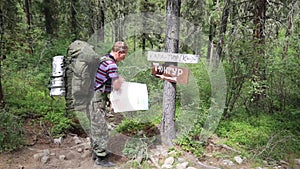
131	97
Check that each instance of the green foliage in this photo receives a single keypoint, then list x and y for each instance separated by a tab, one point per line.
134	126
200	73
191	140
188	143
27	92
29	51
10	132
146	77
30	99
243	133
264	136
25	83
135	148
129	126
58	121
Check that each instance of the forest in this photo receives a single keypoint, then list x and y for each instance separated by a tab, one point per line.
245	89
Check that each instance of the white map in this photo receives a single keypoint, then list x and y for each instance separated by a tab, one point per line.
131	97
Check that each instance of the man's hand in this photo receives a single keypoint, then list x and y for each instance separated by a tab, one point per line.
117	83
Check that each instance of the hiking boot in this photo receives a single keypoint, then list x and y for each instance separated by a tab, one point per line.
104	162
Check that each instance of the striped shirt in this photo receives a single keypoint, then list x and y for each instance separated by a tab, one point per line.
106	71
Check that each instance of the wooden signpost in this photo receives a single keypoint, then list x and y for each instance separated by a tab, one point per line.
172	57
171	73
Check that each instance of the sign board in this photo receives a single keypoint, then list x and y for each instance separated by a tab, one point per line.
171	73
172	57
130	97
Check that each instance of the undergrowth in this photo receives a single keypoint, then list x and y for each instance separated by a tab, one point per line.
10	132
265	136
25	80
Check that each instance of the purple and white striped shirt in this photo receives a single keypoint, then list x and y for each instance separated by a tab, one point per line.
106	71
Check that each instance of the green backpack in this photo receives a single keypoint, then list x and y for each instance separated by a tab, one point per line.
81	65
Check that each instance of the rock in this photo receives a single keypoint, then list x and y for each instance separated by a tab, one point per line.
62	157
57	140
182	165
273	163
168	166
228	162
88	139
297	162
191	168
171	152
160	150
45	159
70	155
238	159
140	133
169	161
86	154
87	146
46	152
77	140
181	160
38	156
80	150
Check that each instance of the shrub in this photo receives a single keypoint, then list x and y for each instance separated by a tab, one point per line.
10	132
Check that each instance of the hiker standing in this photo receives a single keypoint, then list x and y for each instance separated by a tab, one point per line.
106	80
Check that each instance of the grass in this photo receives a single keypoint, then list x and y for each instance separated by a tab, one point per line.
266	136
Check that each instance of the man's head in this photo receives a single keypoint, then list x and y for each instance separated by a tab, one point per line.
119	51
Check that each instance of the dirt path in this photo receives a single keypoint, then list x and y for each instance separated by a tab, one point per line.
69	153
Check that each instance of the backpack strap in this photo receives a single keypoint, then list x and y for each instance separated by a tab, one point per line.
101	60
104	59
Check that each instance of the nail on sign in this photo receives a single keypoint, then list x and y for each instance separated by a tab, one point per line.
172	57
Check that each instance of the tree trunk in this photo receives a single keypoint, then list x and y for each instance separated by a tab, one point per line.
211	36
27	11
259	74
1	54
97	21
49	21
282	82
169	95
28	20
223	28
119	24
73	19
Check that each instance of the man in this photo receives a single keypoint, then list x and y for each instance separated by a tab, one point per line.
106	80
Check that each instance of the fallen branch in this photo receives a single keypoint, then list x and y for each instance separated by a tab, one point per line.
154	162
196	162
225	147
228	148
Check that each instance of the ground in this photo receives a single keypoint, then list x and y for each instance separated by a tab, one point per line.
69	154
